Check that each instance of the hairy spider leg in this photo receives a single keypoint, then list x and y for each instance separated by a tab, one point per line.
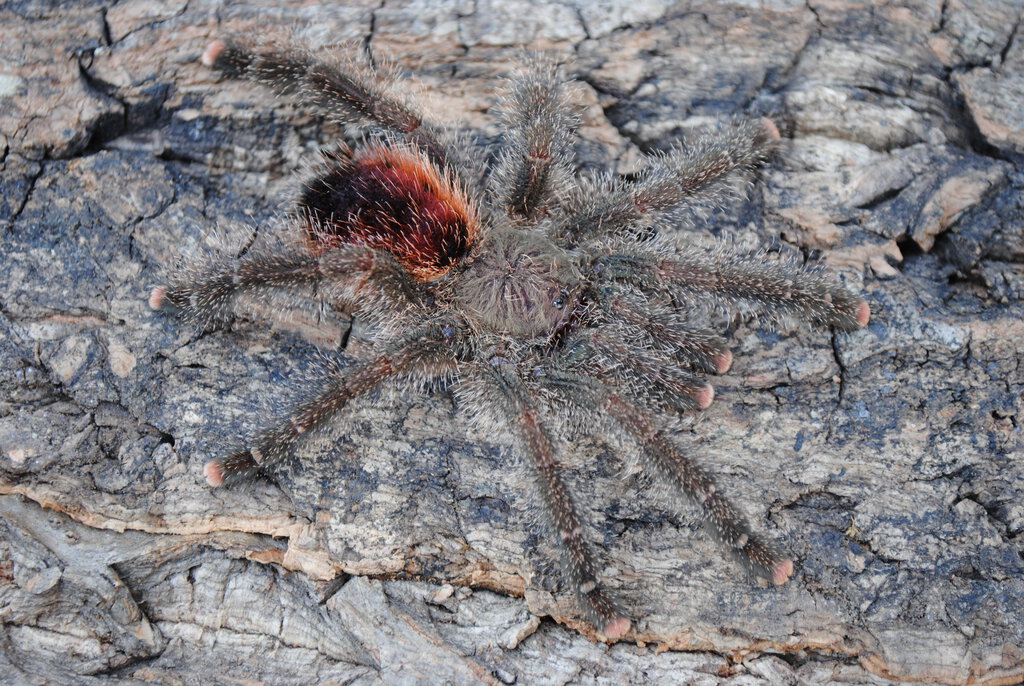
424	355
204	294
534	164
669	181
693	482
698	349
603	390
577	557
366	281
650	373
733	280
650	376
354	92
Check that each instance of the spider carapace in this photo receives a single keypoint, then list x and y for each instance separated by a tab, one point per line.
551	304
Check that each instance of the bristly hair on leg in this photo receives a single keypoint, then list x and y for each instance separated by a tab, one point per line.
555	307
680	178
534	167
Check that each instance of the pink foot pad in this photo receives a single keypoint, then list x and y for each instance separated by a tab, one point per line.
156	297
212	52
616	629
705	396
863	314
782	572
723	362
213	474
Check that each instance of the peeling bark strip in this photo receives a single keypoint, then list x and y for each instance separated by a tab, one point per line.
898	497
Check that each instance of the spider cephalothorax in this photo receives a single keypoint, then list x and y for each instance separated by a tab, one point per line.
549	303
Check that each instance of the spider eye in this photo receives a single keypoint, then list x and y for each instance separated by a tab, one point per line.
559	302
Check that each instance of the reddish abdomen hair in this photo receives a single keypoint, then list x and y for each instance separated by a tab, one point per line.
393	199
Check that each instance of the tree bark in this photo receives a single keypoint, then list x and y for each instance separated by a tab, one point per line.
404	547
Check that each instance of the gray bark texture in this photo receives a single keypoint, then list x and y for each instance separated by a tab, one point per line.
405	550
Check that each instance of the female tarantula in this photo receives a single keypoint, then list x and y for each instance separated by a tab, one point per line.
548	303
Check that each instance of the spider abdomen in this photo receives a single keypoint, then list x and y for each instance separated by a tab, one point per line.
393	199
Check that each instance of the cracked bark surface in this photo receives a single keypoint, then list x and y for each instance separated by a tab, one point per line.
888	461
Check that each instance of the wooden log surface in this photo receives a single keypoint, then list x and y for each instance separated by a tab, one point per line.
404	549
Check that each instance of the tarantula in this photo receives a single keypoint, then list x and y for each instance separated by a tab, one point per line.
550	304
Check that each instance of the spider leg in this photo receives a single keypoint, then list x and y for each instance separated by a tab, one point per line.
423	356
585	384
577	558
733	280
698	349
539	125
669	181
692	481
354	92
650	373
363	280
